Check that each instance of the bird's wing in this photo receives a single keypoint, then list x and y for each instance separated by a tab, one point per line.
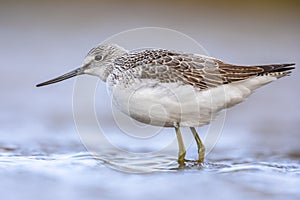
199	71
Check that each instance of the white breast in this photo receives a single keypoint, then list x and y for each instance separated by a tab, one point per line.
164	104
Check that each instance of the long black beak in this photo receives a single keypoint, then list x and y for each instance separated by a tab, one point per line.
71	74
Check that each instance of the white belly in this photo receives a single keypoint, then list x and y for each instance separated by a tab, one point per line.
167	104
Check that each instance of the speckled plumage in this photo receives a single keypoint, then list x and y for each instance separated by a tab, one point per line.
202	72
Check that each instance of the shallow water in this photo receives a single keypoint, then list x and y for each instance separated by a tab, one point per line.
63	169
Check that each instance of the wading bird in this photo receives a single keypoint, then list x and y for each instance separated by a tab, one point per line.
191	89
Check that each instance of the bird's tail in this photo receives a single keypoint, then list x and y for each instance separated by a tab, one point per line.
277	70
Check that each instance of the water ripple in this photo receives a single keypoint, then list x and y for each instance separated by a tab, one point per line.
143	164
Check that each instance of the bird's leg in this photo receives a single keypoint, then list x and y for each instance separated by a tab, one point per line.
182	152
201	147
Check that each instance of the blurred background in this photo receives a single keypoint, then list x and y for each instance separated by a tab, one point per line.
39	145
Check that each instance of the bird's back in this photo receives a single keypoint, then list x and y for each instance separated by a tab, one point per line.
201	72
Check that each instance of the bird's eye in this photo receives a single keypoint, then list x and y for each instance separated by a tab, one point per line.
98	57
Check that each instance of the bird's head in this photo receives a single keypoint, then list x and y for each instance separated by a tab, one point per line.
98	62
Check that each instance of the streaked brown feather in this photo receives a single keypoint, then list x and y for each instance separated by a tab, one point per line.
199	71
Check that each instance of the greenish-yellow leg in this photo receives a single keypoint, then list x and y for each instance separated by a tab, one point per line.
182	152
201	147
